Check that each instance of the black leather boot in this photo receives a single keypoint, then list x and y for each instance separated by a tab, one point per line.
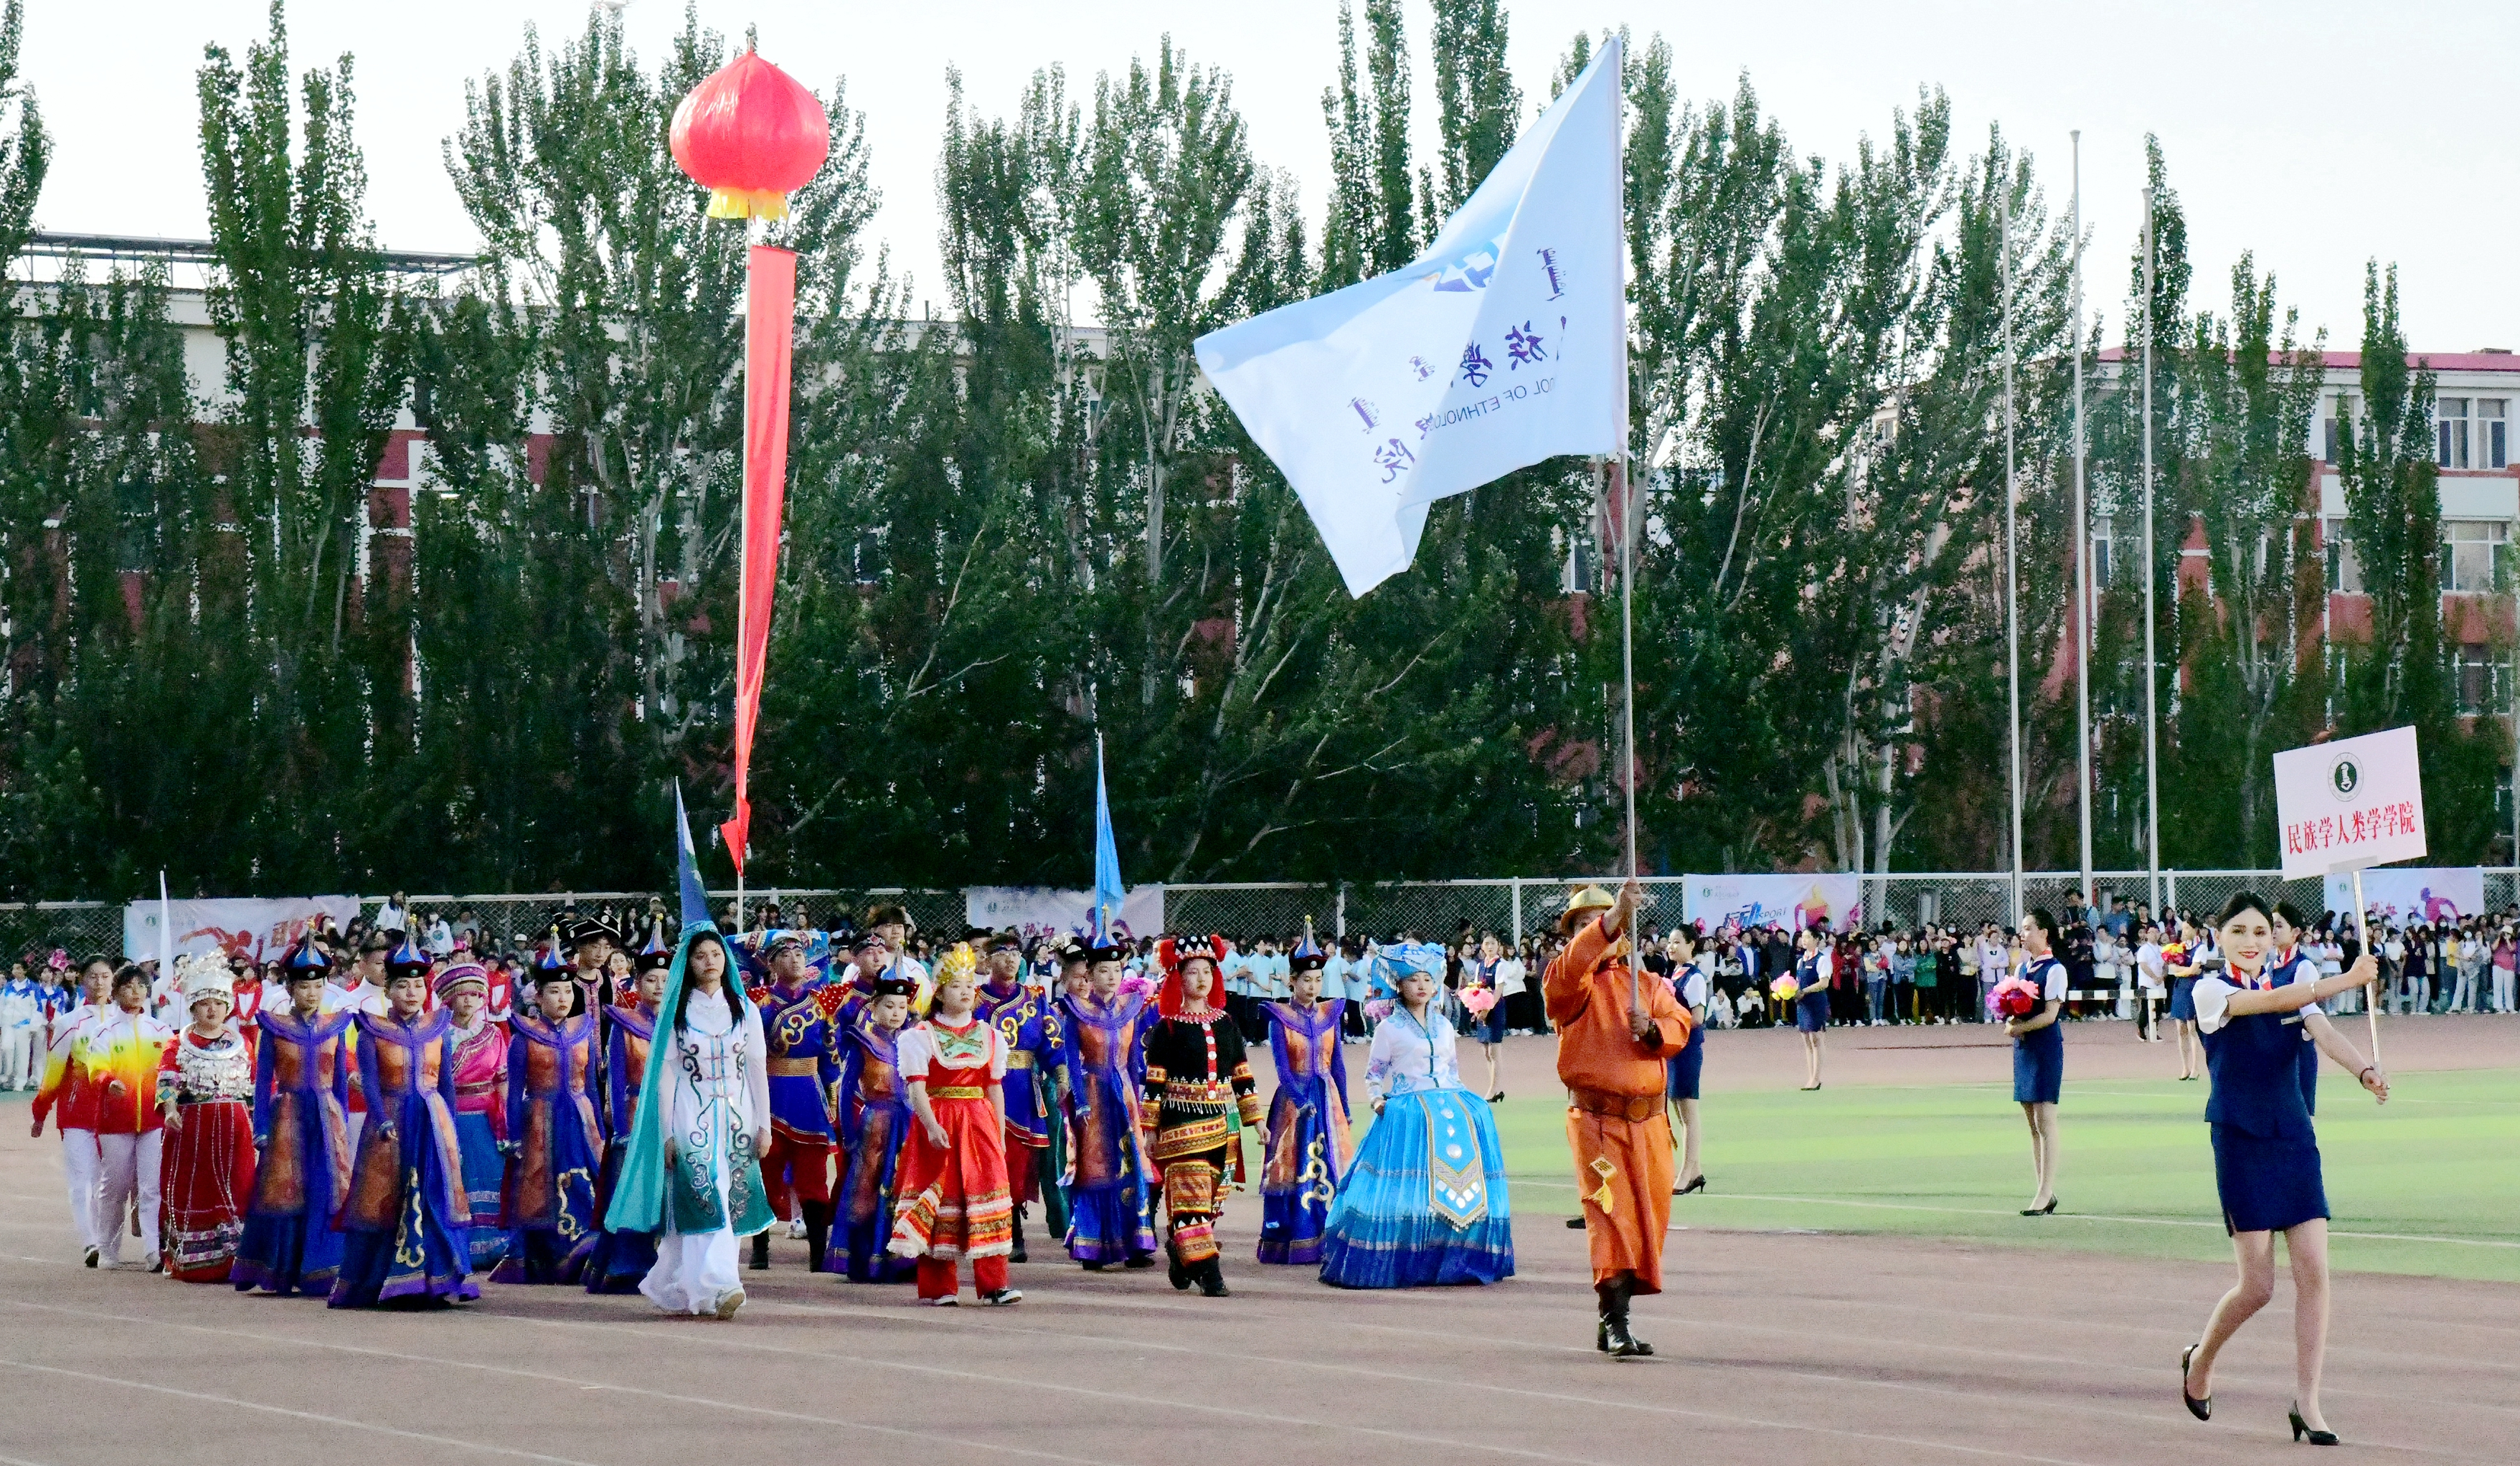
1017	1255
1211	1278
1612	1337
818	1233
1182	1277
761	1251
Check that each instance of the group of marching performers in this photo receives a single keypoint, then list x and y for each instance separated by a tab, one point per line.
387	1131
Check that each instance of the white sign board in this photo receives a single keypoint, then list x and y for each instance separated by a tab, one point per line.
2349	804
245	929
1044	911
1792	902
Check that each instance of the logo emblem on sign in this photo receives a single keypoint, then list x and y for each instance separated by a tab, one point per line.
2344	776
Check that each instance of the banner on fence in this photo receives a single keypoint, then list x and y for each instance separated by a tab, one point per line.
2413	893
250	930
1036	911
1793	902
2350	804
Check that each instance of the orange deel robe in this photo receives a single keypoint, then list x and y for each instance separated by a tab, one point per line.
1615	1125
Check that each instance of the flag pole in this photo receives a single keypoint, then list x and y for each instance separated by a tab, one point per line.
2370	991
2082	558
1620	472
2152	573
2011	542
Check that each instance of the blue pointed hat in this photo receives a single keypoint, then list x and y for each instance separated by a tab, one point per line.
548	962
306	960
1307	958
406	959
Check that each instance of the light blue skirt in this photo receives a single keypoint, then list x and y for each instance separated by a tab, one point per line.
1425	1202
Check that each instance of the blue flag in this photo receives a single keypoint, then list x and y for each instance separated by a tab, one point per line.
1504	344
687	865
1107	890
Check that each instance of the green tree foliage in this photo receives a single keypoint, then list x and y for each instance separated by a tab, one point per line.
1020	525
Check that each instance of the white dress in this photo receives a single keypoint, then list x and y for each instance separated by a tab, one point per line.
718	1086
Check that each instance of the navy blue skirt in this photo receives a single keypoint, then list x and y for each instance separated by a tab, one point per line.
1491	1028
1811	1010
2038	1066
2267	1185
2182	999
1687	1065
2308	1073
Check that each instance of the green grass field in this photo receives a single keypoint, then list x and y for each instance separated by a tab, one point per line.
2429	1184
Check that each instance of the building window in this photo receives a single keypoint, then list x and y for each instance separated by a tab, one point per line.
2478	680
2450	414
2492	448
2475	547
2104	550
2344	571
2338	420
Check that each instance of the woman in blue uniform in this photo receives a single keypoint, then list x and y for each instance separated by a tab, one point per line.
1811	997
2265	1156
1688	985
2038	1055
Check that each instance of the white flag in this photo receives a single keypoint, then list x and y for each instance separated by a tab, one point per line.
1505	343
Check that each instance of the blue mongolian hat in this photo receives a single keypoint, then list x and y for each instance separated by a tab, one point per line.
407	961
656	955
549	964
306	960
1307	958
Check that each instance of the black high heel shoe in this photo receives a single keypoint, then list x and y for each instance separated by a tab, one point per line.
1698	1184
2049	1210
2301	1428
2202	1409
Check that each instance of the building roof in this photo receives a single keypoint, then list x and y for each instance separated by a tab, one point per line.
2490	359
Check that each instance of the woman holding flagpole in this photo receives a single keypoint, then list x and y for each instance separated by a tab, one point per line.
2265	1154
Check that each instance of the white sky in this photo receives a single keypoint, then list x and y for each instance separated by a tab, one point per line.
2318	133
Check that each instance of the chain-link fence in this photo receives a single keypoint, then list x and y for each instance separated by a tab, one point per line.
1433	910
81	928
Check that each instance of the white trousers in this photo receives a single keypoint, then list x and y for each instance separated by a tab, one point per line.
80	1167
2462	993
692	1270
127	1173
2502	990
20	1066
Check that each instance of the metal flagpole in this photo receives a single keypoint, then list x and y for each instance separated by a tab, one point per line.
2082	554
1620	466
2151	670
2011	547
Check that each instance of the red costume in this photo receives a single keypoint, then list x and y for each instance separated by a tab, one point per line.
210	1156
955	1201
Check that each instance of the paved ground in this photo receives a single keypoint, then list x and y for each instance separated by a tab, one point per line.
1807	1348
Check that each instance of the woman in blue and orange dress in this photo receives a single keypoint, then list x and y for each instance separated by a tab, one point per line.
554	1145
874	1124
2266	1153
408	1221
621	1258
1308	1145
302	1081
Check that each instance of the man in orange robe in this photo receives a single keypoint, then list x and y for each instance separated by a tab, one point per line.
1614	1032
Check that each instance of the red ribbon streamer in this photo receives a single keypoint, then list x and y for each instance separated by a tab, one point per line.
769	331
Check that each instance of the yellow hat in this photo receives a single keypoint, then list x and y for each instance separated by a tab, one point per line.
957	964
1583	900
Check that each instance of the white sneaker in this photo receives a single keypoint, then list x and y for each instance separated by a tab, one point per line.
796	1230
727	1302
949	1301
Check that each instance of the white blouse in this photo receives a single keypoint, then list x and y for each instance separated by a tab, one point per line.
1408	1055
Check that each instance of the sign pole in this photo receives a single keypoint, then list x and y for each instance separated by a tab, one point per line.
2372	992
